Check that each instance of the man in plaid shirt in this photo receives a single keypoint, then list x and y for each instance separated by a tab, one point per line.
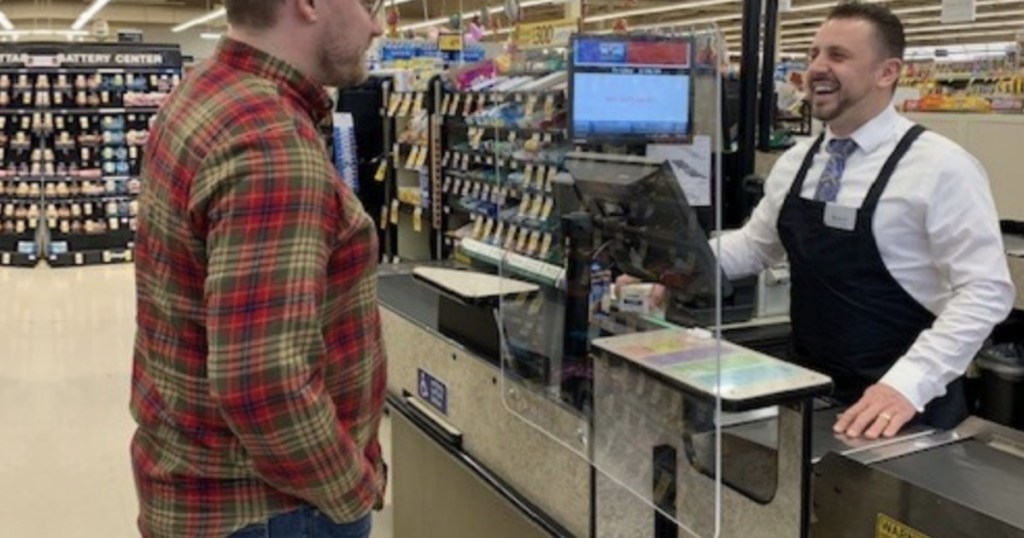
259	370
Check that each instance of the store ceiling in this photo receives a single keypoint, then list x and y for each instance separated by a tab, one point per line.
997	20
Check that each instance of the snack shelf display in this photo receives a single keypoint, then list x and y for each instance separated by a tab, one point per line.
505	141
74	120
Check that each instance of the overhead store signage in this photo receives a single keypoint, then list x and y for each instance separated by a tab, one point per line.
954	11
451	42
84	56
543	35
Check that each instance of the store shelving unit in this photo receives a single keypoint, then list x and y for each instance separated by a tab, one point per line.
410	137
503	147
77	118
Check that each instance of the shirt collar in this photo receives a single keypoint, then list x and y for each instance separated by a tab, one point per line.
307	93
873	134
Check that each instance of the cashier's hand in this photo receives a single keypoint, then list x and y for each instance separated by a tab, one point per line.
882	411
657	291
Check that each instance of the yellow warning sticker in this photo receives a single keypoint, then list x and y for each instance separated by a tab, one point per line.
887	527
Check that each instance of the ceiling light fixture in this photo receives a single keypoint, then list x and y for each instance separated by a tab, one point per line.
211	36
492	10
656	10
213	15
89	13
5	23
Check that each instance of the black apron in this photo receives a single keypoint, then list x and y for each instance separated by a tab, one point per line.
851	319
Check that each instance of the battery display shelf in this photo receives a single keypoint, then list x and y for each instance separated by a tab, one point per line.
76	119
410	167
506	141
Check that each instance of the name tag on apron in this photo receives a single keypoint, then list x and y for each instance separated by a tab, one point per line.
840	217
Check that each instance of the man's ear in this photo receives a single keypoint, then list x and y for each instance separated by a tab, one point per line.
891	71
305	10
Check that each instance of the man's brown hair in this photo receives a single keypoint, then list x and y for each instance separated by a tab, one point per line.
253	14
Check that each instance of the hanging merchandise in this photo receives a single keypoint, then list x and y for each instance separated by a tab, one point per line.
513	10
455	21
393	19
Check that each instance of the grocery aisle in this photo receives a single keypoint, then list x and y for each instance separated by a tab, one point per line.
65	360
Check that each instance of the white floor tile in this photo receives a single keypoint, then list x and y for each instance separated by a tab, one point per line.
65	362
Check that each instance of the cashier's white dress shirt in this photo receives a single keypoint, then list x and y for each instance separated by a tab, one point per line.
936	228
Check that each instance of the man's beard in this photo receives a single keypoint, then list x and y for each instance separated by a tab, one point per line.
342	73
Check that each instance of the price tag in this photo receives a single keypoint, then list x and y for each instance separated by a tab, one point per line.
511	239
394	211
418	104
417	220
549	205
384	217
393	103
403	111
545	246
538	204
528	176
534	243
548	138
382	171
531	105
413	155
524	234
544	35
524	206
447	184
465	162
447	158
549	106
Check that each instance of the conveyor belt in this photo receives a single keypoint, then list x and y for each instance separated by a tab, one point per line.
977	475
414	300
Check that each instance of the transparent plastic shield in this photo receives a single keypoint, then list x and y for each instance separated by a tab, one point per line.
609	173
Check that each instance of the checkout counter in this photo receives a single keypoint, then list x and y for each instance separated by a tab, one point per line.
479	450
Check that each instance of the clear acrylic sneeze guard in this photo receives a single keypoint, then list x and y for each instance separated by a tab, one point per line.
627	383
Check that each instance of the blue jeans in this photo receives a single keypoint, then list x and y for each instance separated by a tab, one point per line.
306	523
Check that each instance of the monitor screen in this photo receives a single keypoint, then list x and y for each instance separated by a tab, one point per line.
630	89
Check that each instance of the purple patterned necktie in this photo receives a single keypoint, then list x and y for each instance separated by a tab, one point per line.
838	149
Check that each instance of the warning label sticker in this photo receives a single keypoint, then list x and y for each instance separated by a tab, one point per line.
887	527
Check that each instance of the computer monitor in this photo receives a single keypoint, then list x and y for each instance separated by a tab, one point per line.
628	90
648	227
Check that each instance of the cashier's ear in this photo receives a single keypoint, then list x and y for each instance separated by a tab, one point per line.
889	73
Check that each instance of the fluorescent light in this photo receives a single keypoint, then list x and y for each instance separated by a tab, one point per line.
210	35
88	14
44	31
5	23
967	26
655	10
902	11
200	20
492	10
687	22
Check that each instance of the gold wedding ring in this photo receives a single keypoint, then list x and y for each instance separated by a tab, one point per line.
885	416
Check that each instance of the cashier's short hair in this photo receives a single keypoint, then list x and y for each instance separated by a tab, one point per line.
887	25
253	14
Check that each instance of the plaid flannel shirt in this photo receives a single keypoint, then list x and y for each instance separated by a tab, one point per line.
259	370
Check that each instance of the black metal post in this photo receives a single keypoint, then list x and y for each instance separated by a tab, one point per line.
766	118
748	87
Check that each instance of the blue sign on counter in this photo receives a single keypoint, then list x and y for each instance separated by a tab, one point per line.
432	391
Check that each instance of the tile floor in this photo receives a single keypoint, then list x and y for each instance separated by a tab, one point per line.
65	360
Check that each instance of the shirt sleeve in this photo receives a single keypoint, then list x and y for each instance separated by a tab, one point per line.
270	214
966	245
755	246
